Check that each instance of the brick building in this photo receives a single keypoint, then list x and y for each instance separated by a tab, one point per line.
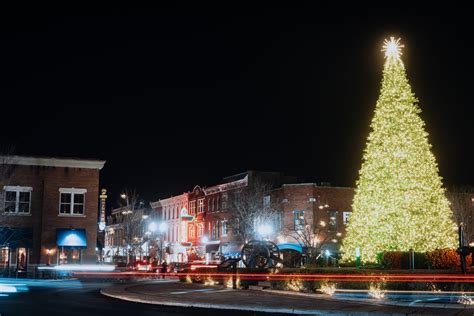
324	208
49	211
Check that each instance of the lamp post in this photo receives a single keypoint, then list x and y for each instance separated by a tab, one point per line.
126	227
162	228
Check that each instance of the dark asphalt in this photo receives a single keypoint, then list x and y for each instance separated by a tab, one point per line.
83	298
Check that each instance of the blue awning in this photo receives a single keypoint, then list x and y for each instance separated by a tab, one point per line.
289	246
16	237
71	238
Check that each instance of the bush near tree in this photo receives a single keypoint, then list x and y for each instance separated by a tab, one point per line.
436	259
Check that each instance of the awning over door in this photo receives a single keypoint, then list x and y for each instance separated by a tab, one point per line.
16	237
290	246
71	238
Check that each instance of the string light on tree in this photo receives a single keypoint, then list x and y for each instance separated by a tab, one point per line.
399	203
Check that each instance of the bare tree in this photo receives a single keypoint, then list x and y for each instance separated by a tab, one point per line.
251	211
462	205
131	219
310	237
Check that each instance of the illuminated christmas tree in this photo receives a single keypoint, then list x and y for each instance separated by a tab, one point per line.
399	203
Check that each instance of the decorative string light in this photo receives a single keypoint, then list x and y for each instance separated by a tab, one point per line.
399	203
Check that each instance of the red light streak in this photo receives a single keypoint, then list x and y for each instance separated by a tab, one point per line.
195	266
433	278
448	278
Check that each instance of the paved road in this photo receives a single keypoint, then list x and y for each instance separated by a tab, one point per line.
198	295
79	298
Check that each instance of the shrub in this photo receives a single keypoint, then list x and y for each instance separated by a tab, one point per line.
401	260
393	259
446	259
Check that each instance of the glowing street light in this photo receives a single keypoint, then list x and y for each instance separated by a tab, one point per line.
153	227
265	230
162	227
123	196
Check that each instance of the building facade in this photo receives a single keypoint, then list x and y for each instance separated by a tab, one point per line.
127	236
49	211
323	209
174	213
199	221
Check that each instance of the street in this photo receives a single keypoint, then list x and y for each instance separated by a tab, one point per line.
79	298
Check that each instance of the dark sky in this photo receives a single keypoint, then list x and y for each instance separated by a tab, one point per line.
177	97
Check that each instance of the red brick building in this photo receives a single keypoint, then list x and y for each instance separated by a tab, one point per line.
324	208
48	211
201	218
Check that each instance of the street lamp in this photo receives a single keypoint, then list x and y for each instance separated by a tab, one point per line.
163	227
153	227
265	230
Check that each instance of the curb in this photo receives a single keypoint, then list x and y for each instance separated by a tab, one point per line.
380	303
241	307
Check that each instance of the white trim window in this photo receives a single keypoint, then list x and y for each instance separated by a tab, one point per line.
224	202
17	199
224	228
200	206
345	217
72	201
192	207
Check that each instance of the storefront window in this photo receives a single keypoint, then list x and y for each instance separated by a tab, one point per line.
4	253
70	256
21	261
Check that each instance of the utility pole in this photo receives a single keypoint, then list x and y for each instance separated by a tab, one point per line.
462	250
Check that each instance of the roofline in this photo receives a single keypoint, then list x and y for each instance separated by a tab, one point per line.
53	162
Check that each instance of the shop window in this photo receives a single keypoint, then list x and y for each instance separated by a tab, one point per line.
70	256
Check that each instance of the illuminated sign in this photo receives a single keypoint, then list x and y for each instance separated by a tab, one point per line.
71	238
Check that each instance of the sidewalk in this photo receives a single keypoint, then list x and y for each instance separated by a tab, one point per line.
171	293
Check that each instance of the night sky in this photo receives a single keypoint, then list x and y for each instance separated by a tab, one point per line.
177	97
